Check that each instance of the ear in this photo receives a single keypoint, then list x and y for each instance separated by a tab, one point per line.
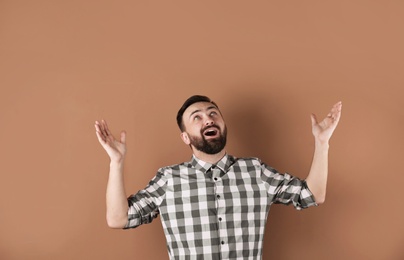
185	138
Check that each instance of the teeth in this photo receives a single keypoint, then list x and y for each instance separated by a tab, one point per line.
210	132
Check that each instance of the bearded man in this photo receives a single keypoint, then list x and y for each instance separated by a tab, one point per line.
216	205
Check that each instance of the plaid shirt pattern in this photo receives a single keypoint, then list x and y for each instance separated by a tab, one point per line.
215	211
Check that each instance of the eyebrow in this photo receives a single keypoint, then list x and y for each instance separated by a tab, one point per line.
198	110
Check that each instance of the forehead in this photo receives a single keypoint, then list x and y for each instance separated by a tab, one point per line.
199	106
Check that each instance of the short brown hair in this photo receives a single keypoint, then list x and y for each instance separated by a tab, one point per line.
187	103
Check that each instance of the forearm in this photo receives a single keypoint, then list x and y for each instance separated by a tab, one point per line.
117	205
318	174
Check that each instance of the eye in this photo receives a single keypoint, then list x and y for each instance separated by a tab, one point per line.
196	118
213	113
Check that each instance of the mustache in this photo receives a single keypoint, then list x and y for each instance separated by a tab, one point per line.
210	126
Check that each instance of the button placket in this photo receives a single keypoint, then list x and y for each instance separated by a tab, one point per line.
220	203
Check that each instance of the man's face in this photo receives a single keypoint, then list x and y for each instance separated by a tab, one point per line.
205	129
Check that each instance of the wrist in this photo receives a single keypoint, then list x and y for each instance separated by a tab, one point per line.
116	158
116	163
324	145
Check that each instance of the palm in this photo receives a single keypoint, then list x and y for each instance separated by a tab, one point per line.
116	149
323	130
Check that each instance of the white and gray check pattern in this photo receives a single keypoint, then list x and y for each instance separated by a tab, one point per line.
216	211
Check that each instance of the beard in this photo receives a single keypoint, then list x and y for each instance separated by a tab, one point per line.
211	146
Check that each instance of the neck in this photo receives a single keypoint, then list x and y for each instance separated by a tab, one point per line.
210	158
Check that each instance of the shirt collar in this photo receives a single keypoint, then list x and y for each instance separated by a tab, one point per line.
223	164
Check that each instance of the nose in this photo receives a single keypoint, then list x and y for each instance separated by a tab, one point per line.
209	121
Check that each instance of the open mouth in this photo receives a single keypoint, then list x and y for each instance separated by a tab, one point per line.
211	132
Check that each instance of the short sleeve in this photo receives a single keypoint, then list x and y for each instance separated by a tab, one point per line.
143	206
287	189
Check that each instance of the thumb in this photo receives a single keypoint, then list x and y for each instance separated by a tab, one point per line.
123	137
313	119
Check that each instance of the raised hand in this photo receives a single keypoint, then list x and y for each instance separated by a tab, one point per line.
116	149
323	130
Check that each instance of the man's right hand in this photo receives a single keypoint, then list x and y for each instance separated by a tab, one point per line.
116	149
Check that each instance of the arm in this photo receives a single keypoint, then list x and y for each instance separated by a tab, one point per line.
317	177
117	205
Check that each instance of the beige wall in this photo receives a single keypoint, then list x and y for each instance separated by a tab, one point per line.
269	64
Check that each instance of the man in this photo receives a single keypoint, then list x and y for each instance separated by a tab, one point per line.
216	205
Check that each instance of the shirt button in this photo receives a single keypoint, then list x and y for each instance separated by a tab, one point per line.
218	196
222	242
215	179
220	219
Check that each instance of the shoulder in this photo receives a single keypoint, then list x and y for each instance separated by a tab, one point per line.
244	163
253	162
245	160
172	169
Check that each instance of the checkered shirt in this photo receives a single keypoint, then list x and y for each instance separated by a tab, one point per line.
215	211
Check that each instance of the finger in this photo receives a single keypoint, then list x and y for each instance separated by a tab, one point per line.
313	119
105	131
123	137
336	111
101	139
101	129
97	127
106	128
337	106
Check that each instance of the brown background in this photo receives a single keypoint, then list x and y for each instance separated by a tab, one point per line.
269	64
